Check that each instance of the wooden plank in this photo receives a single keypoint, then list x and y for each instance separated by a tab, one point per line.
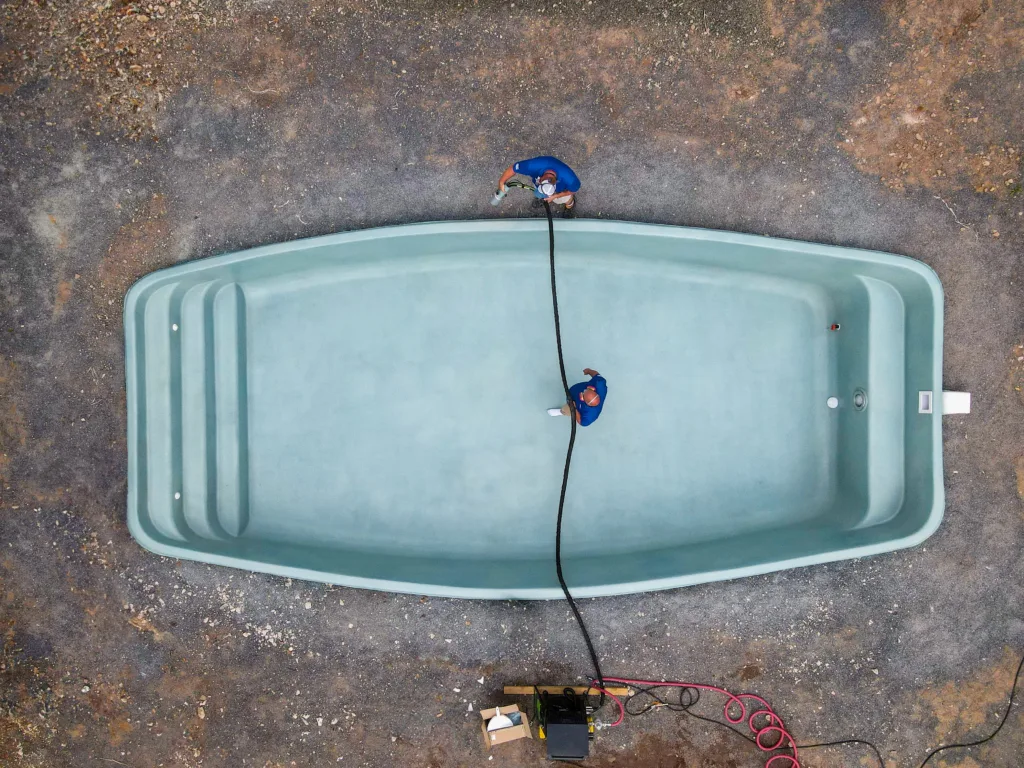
527	690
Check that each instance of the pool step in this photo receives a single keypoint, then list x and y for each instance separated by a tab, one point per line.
230	408
194	367
199	467
163	449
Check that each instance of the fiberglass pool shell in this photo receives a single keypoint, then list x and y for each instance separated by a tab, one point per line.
368	408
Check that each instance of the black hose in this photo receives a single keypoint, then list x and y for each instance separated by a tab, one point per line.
568	460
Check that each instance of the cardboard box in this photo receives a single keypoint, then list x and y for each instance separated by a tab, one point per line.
521	731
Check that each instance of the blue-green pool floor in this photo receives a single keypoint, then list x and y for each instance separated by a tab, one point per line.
404	412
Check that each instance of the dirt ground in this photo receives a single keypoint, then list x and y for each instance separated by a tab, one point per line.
134	136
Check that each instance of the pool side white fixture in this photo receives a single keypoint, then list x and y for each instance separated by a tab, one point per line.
952	402
956	402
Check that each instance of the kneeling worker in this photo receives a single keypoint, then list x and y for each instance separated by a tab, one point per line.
587	396
555	181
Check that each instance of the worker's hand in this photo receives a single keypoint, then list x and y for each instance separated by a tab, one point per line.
591	372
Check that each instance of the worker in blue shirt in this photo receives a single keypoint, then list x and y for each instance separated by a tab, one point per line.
555	181
587	396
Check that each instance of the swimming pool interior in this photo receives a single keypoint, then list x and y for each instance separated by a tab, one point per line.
371	409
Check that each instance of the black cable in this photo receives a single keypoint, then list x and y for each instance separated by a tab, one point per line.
934	752
688	697
568	459
1006	714
692	696
874	749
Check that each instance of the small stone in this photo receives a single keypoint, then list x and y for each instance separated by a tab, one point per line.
201	713
85	689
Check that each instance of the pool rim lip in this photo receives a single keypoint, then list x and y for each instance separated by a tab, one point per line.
924	531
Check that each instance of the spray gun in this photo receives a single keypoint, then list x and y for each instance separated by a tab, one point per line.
512	183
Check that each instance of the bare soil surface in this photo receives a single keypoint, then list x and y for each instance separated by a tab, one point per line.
137	135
